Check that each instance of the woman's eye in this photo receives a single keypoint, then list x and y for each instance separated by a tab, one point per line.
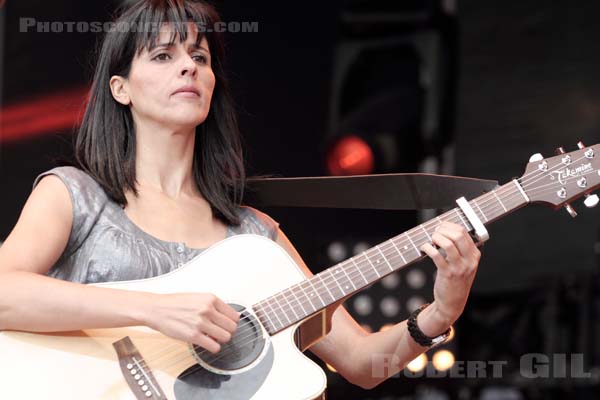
201	58
161	57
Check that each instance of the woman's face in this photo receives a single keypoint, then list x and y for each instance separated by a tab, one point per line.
170	85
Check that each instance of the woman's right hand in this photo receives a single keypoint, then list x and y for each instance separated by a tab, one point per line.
199	318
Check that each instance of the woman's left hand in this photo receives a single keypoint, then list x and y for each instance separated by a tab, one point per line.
455	272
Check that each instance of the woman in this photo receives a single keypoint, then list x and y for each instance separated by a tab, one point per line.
160	177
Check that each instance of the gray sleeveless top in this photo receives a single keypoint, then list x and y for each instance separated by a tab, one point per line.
105	245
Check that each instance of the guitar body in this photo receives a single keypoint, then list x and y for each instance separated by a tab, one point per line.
241	270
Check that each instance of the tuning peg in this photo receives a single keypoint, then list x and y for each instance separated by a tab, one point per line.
591	200
560	150
581	145
536	157
571	210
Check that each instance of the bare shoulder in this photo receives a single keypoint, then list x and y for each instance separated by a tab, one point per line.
42	230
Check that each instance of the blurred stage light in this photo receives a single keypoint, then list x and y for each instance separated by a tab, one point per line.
360	247
363	305
417	364
443	360
337	251
391	281
46	114
416	278
389	306
414	302
350	155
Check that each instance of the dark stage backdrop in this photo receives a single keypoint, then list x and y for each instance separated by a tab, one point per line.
528	83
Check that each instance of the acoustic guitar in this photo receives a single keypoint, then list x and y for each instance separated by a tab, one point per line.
260	280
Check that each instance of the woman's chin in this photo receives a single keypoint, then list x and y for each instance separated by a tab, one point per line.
187	121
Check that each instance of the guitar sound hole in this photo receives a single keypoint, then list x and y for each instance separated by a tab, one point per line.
245	346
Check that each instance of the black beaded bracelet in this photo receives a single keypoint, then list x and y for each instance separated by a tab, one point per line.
418	335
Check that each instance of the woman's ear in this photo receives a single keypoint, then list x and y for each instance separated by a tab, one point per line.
118	88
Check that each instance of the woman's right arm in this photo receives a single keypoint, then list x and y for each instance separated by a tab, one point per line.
31	301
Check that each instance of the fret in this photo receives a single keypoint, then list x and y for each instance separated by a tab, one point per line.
264	318
411	242
275	314
310	295
345	285
289	304
426	233
439	220
474	211
499	201
399	252
490	208
285	314
463	218
326	288
365	254
466	224
298	300
359	271
385	258
456	210
338	285
315	291
449	216
480	211
521	190
345	273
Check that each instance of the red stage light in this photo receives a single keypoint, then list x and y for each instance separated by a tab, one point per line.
350	155
47	114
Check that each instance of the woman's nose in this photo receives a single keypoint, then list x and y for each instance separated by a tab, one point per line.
188	66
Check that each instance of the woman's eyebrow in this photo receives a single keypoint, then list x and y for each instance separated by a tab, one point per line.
194	46
197	46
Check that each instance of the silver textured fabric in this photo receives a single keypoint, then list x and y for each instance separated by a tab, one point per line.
105	245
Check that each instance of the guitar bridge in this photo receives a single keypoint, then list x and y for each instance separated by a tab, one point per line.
136	372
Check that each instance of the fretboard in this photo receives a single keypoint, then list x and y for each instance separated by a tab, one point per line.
312	295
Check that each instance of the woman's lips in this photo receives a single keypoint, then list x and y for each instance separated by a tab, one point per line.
191	95
189	91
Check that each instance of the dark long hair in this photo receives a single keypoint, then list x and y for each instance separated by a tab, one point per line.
105	142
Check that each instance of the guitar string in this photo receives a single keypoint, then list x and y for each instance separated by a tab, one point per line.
355	275
224	352
295	299
209	361
480	204
193	369
154	356
302	303
535	171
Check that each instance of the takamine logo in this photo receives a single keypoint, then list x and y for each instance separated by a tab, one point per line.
563	174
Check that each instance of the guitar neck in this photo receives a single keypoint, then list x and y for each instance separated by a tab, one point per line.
342	280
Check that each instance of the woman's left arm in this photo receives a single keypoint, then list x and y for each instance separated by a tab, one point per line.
366	359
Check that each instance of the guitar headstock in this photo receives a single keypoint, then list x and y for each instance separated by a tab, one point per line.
558	180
